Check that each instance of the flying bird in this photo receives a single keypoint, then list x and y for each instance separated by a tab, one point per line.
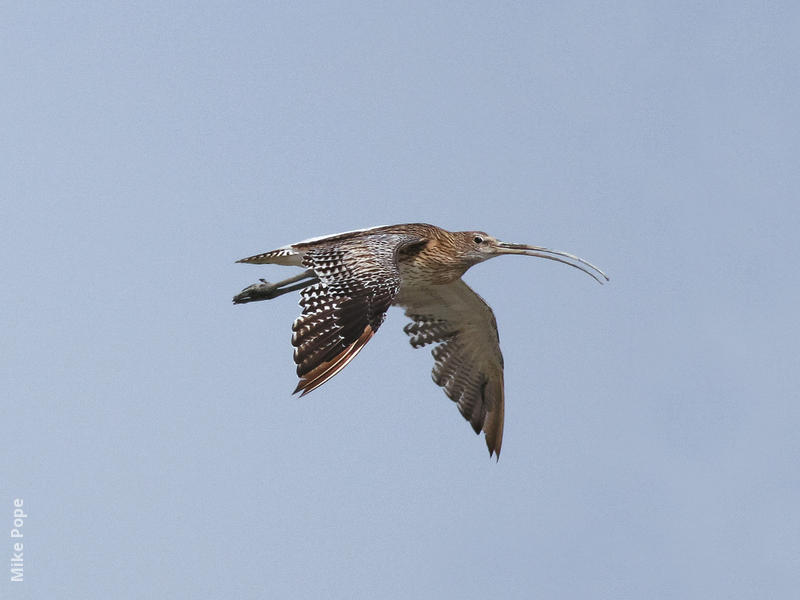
351	279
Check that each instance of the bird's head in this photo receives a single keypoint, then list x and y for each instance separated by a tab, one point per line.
477	246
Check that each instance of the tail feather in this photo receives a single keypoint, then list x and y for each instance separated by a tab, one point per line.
282	256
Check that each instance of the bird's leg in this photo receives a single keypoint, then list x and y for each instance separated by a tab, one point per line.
266	290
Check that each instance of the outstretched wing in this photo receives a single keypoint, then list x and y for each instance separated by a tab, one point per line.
468	362
358	280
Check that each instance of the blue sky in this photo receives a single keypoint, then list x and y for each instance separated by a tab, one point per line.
651	442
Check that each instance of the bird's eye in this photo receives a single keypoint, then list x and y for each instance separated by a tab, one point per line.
478	239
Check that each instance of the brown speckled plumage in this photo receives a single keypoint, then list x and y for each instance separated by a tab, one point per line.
351	280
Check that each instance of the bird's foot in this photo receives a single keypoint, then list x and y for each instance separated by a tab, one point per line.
258	291
266	290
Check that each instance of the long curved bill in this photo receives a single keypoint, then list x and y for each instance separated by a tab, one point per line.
562	257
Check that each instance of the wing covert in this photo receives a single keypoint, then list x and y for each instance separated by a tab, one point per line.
358	280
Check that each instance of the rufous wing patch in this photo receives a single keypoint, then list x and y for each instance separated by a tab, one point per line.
324	371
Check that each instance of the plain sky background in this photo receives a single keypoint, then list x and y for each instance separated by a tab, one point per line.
652	441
